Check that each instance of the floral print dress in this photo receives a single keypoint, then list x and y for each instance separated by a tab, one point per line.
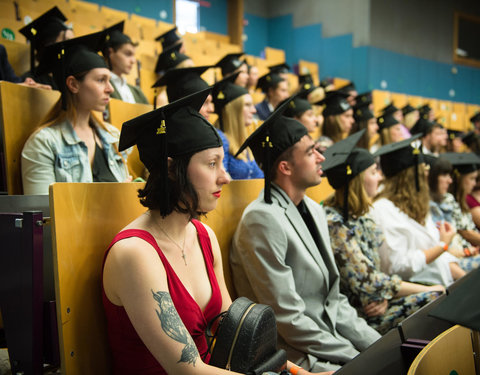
355	245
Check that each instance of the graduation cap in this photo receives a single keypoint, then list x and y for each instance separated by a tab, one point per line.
364	99
362	113
461	305
169	58
282	68
475	118
425	111
174	130
430	159
452	134
470	138
408	109
277	134
346	89
398	156
268	81
326	82
182	82
422	126
115	37
71	57
386	121
389	109
223	93
306	85
296	107
230	63
43	30
335	103
169	38
344	161
463	162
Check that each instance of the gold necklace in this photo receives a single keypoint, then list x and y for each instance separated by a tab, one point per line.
181	248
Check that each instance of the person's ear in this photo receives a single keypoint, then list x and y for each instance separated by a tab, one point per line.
72	84
284	168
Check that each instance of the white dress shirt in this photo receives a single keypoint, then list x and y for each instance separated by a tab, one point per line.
122	87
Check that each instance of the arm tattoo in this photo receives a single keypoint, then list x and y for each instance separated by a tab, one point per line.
173	326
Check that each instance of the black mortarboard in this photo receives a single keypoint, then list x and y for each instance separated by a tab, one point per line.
430	159
230	63
425	111
174	130
183	82
389	109
364	99
306	85
269	80
362	113
346	89
114	36
463	162
335	103
385	121
461	305
344	161
475	118
71	57
408	109
169	39
398	156
279	68
422	126
452	134
224	92
43	30
470	138
169	58
271	139
326	82
296	107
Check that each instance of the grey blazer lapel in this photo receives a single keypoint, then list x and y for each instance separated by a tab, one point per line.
300	227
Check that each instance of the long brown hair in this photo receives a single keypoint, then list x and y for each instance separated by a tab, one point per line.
401	190
358	201
460	193
332	129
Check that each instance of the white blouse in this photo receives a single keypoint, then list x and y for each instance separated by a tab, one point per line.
405	239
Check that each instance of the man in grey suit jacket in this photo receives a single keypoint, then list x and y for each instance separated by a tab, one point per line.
281	254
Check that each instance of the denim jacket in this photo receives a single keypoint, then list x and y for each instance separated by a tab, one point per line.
57	154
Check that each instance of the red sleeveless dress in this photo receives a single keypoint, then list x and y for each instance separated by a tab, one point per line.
130	355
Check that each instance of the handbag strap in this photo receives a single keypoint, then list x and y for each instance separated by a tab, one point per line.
212	336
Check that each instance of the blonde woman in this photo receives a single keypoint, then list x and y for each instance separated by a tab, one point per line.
235	109
73	145
382	300
415	247
390	129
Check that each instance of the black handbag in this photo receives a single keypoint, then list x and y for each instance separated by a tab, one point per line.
245	340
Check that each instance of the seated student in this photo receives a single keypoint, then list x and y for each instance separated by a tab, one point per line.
73	145
281	69
275	89
170	58
281	253
410	116
397	113
473	202
426	112
119	52
171	39
350	92
432	135
472	140
381	299
364	99
444	207
231	64
364	119
162	274
302	111
182	82
43	31
338	115
454	141
235	109
252	78
413	248
390	129
475	120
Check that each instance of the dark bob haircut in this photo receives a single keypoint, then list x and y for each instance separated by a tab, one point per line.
182	196
440	167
